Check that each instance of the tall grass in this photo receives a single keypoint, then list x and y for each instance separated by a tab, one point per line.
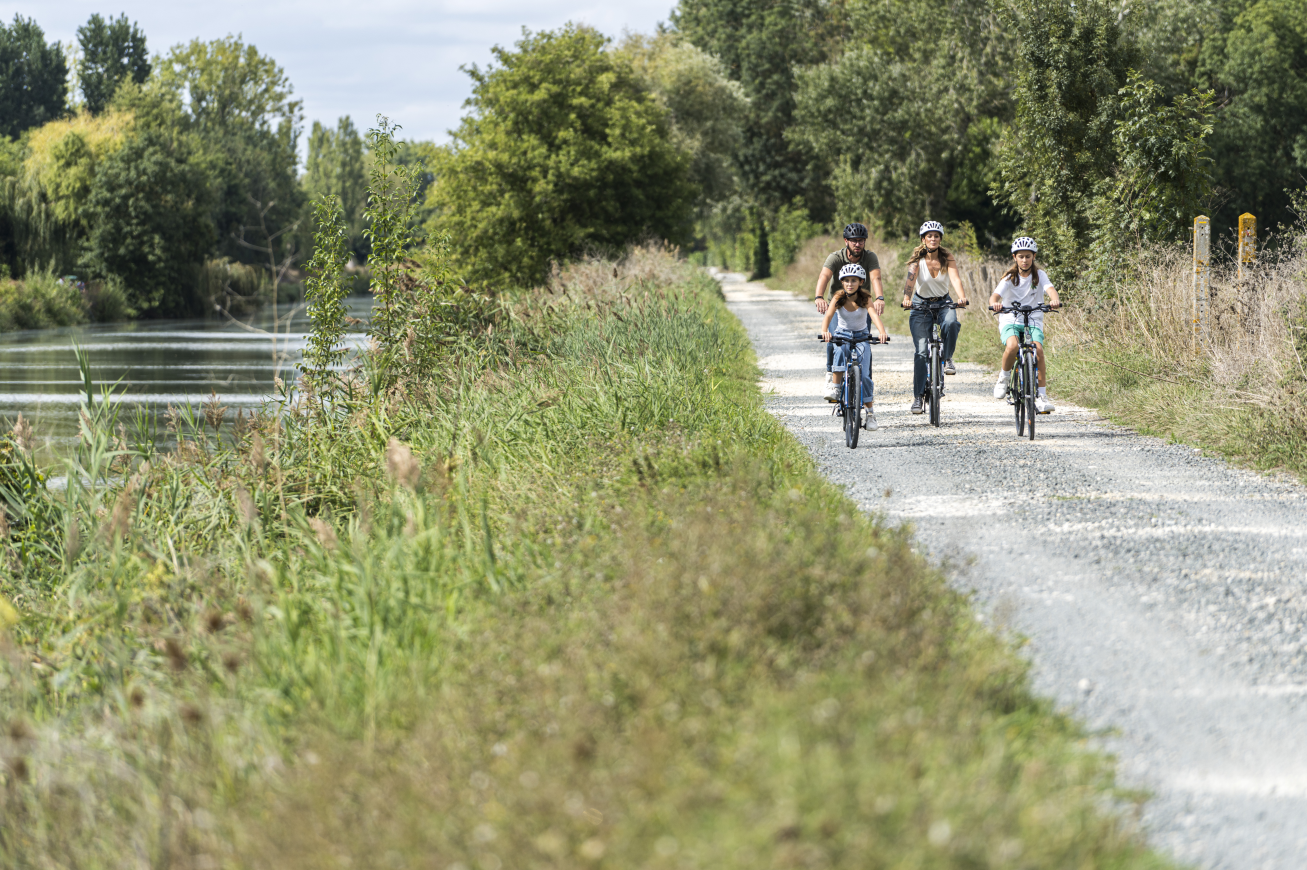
576	600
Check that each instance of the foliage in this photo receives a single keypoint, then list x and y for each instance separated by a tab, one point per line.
33	77
391	187
907	115
705	106
39	301
336	167
325	290
761	44
150	223
1072	62
563	151
111	52
1258	67
239	104
64	156
1163	173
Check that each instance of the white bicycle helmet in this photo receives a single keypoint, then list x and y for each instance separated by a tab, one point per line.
931	227
853	270
1025	243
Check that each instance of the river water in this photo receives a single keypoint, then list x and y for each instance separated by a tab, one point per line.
157	363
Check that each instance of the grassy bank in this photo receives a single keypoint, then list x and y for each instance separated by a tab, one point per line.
577	601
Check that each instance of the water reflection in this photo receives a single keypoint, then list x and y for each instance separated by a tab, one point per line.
159	363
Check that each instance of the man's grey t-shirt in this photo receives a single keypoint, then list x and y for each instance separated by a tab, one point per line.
840	259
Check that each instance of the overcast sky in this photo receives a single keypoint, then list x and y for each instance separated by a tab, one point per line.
397	57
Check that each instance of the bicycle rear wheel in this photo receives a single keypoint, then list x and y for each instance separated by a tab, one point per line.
852	411
1018	388
1029	397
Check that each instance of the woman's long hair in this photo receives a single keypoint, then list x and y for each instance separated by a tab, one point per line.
920	254
1015	272
861	296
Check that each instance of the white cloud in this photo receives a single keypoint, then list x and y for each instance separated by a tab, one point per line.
395	57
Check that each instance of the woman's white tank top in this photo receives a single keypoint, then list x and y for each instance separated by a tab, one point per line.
928	287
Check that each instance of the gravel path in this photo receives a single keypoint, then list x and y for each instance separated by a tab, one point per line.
1164	593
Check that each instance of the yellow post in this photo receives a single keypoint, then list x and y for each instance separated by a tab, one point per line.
1247	241
1202	278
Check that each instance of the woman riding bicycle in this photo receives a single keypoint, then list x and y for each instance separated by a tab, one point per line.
1024	284
851	309
931	269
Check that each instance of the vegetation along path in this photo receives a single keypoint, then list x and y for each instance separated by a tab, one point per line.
1163	593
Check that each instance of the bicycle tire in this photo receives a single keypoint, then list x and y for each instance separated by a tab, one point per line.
1031	388
852	412
1017	387
936	385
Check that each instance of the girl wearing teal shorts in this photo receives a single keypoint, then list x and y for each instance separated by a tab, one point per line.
1024	284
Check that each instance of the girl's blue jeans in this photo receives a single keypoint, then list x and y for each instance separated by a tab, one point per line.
843	353
920	323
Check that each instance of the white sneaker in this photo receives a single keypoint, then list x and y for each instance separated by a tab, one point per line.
832	391
1000	388
1043	405
869	420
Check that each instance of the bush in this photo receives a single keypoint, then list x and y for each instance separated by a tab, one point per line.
565	151
40	300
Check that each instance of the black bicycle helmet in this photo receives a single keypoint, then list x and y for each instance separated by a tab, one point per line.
855	231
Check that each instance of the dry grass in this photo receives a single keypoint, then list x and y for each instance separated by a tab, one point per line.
1135	354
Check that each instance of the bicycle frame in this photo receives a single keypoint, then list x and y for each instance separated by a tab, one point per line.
1023	386
935	384
849	407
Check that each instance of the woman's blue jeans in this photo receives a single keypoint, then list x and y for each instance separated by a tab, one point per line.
920	323
844	353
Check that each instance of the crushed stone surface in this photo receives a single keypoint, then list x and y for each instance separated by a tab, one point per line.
1162	592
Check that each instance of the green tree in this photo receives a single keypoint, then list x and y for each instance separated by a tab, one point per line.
1163	172
564	150
239	104
907	117
1258	67
336	167
1072	62
33	77
150	224
706	107
761	43
112	52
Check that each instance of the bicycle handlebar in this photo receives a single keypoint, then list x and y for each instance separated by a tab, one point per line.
873	339
1027	309
932	306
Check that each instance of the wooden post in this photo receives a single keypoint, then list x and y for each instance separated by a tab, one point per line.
1202	279
1247	242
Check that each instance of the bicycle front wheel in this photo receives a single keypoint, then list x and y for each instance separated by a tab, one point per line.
936	386
1018	388
853	410
1028	370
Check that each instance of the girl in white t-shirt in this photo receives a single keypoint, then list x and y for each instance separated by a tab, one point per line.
1024	284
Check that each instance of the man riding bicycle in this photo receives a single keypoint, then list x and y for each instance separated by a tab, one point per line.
854	252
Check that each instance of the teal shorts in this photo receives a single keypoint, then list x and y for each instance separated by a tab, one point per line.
1014	330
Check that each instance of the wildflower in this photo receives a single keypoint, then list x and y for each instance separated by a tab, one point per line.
213	412
23	435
